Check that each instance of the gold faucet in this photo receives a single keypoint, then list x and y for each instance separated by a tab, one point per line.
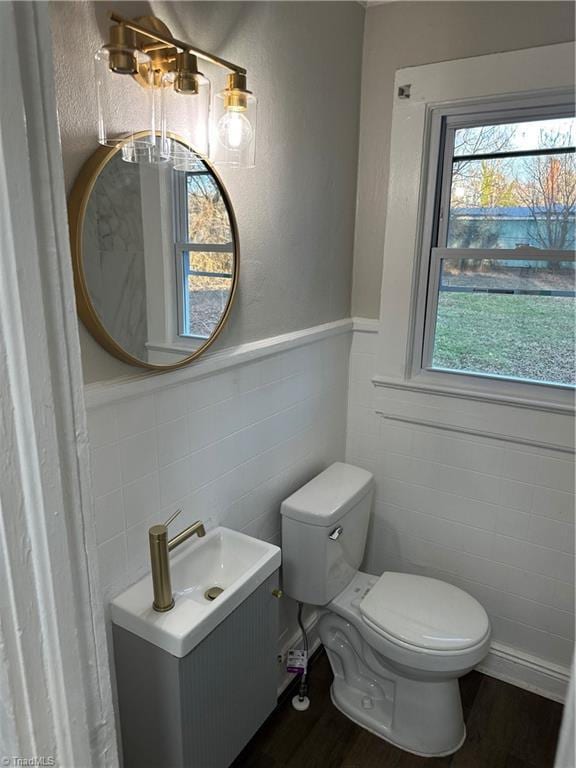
160	546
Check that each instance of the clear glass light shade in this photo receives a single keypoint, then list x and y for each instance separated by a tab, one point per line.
125	101
233	139
184	115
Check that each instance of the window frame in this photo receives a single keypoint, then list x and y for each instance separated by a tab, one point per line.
182	246
442	122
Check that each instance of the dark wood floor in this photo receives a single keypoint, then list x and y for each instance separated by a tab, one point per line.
507	728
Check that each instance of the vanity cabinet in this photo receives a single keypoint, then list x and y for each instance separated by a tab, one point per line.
199	711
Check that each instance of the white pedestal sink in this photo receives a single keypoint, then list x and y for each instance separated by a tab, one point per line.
235	563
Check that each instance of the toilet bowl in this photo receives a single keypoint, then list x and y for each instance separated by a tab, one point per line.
397	643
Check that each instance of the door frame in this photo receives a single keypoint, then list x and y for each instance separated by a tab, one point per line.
54	666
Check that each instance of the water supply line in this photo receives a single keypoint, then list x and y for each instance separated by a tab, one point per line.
301	702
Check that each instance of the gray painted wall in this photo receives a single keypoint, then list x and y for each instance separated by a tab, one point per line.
296	208
406	34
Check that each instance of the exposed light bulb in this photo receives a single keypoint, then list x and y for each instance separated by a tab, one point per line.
234	130
234	126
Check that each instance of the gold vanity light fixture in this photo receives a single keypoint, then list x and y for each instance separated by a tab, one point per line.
149	81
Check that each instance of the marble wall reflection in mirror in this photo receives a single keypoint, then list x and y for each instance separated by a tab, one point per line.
155	256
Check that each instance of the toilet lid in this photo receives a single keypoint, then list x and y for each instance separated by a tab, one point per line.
424	612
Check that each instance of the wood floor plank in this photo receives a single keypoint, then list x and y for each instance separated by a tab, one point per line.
514	762
490	727
369	751
327	743
469	687
499	719
255	759
296	727
537	734
286	728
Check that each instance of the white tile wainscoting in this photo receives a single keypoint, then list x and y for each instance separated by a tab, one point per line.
229	438
493	517
226	439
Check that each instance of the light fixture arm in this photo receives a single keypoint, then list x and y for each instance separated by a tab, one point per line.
173	42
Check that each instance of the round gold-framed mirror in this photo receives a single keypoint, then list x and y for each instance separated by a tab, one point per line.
155	255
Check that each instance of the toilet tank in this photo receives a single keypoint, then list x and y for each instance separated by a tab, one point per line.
324	527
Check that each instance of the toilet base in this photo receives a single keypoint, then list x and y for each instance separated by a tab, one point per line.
421	716
355	715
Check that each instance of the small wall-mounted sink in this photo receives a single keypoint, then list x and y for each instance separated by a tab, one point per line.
211	576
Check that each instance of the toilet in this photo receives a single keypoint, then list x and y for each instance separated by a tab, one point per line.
397	643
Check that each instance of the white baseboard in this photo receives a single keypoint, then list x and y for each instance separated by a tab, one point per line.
295	641
526	671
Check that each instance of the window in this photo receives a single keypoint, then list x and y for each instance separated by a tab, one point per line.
204	253
500	293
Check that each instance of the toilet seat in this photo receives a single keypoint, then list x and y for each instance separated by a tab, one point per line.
424	614
410	658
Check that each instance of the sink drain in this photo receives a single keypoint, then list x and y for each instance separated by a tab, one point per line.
213	592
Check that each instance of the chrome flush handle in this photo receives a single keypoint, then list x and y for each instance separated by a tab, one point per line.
336	533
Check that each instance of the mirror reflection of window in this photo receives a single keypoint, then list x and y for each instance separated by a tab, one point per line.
205	254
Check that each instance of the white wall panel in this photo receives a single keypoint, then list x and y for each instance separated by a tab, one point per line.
479	513
227	448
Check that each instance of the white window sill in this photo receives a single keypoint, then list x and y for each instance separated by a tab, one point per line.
182	346
561	400
487	415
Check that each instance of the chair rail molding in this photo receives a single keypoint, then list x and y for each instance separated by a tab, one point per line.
56	692
105	392
365	325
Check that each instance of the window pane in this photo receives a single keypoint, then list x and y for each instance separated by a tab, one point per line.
212	262
507	318
514	137
514	202
510	189
208	219
207	286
